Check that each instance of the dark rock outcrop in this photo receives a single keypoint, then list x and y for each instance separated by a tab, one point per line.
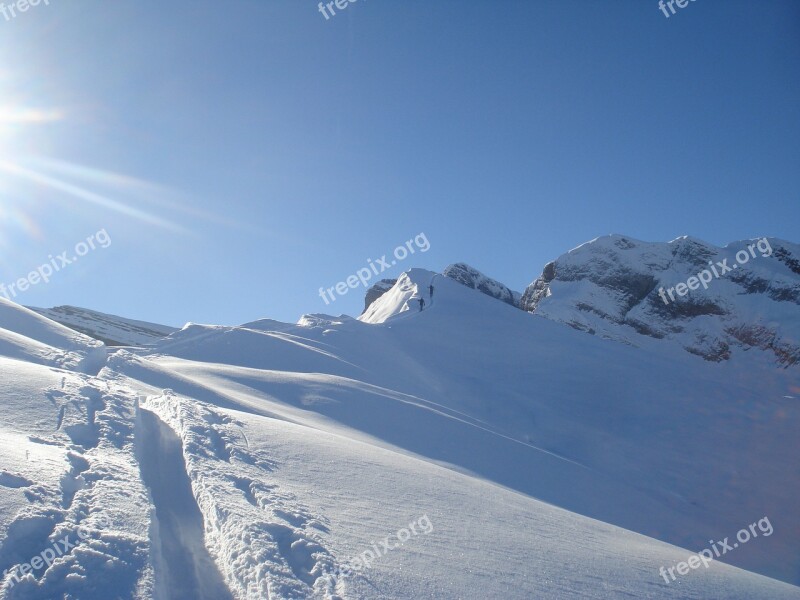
472	278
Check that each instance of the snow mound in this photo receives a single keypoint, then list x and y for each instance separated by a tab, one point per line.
28	336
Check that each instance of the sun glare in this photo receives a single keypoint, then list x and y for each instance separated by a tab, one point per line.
23	133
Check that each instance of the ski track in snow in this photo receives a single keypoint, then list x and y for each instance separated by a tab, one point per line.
271	544
188	570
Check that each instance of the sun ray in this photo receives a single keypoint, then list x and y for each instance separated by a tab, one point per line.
86	195
143	190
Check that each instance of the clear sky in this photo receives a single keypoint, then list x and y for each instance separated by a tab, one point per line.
242	154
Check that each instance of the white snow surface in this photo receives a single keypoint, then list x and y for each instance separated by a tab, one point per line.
258	461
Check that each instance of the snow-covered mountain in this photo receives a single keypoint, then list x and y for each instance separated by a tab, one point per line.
470	450
110	329
746	295
742	296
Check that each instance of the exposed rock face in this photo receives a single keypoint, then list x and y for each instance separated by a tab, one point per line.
539	289
377	290
617	287
472	278
109	329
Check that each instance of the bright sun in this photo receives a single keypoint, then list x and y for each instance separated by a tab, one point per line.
15	119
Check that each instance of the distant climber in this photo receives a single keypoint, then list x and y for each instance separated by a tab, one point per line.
431	289
421	304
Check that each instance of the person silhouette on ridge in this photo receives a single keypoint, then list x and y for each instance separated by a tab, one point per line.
421	304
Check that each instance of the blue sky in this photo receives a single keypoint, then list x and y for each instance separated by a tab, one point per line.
241	155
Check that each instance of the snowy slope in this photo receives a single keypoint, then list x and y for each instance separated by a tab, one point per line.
376	290
257	461
280	506
26	336
707	442
109	329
